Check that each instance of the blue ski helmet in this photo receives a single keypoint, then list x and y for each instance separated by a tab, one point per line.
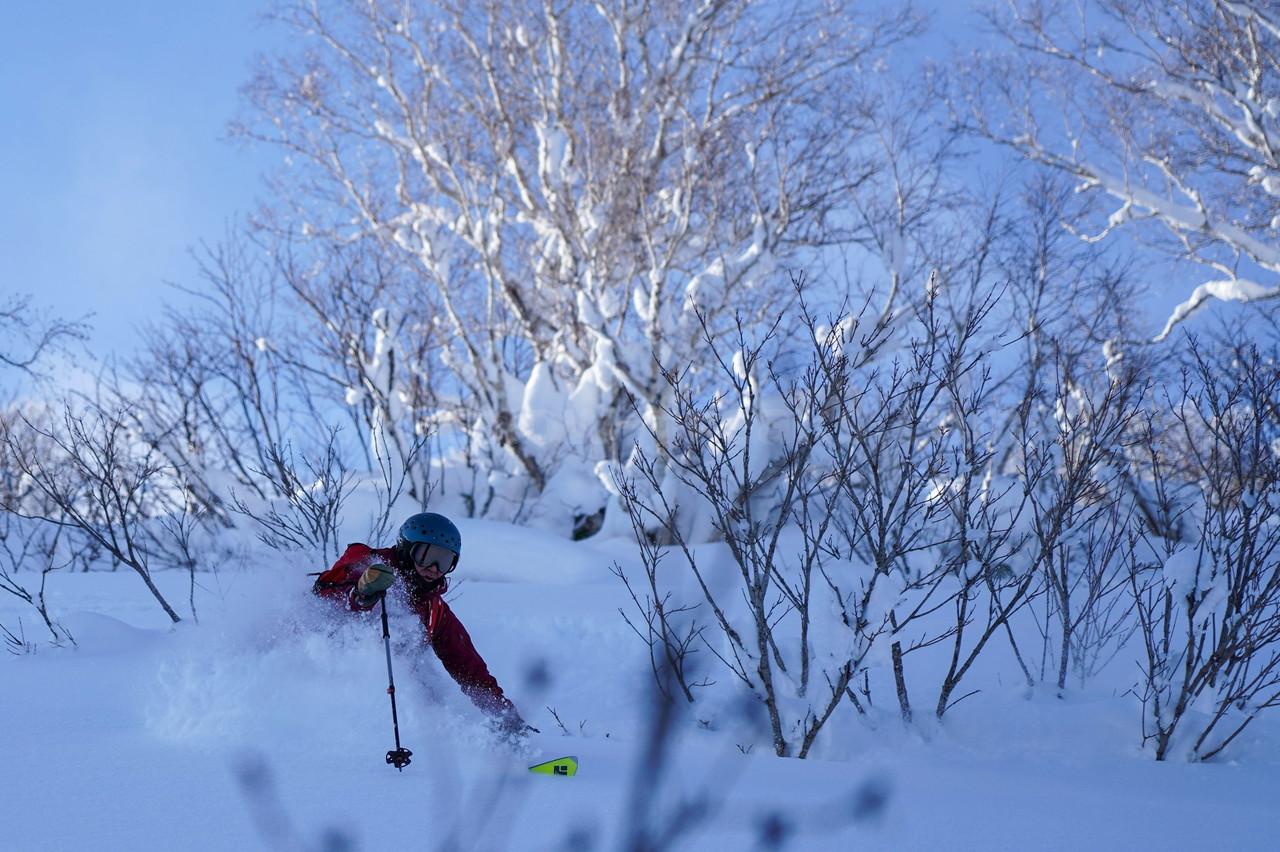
430	528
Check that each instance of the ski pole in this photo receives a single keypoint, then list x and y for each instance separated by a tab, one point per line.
397	757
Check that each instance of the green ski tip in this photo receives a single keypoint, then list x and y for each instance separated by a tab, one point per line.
559	766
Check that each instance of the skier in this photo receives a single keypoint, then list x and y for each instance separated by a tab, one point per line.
425	552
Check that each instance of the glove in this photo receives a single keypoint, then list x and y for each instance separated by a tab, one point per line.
510	727
375	580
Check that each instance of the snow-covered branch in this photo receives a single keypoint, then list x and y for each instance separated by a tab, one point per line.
575	180
1171	108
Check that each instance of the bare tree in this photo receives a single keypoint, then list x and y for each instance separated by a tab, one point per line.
670	626
37	548
98	482
856	506
743	455
893	457
29	337
310	509
211	392
1209	605
1073	468
927	515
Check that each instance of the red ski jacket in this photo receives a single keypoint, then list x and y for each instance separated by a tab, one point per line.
442	629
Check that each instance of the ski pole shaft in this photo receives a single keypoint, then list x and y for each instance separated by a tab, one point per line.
399	757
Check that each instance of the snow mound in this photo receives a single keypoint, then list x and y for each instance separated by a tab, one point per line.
95	633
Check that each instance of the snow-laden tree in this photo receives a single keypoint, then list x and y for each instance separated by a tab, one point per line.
355	352
573	180
1166	111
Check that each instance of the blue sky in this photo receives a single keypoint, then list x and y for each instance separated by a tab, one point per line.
113	153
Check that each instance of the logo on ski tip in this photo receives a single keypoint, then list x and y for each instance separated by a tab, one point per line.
559	766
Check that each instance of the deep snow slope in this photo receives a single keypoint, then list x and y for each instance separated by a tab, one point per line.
265	725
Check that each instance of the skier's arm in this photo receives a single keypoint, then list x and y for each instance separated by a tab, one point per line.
356	580
458	655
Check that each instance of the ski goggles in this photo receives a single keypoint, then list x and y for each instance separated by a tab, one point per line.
427	555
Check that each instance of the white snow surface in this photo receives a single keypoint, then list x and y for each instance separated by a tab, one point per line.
265	726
